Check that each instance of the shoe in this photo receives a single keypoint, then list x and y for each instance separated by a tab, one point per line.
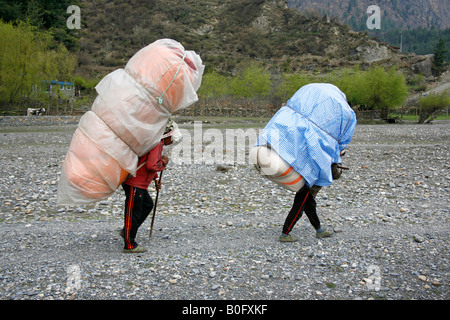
324	234
138	249
287	238
121	233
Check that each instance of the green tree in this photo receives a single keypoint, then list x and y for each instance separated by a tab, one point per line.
34	13
10	10
383	90
252	82
46	15
353	83
288	85
214	85
375	89
440	56
28	56
431	104
351	4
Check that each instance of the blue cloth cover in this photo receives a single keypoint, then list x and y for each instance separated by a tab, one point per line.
311	130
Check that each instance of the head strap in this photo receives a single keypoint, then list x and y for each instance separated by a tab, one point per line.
160	99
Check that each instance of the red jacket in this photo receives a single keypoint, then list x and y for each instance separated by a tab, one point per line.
148	171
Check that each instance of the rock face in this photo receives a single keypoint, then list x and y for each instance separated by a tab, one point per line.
374	52
424	67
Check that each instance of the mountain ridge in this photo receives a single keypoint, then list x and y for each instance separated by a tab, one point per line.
409	15
226	33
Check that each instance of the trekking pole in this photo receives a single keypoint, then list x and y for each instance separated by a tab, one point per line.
156	202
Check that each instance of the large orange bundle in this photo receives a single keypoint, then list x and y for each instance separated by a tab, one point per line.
272	166
127	119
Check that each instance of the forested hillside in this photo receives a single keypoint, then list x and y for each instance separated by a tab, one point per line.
415	26
225	33
405	15
43	14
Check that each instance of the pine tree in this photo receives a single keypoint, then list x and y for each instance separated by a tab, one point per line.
440	55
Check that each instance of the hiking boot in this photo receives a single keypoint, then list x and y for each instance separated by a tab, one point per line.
324	234
138	249
287	238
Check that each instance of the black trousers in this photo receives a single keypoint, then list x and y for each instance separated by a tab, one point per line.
138	204
304	201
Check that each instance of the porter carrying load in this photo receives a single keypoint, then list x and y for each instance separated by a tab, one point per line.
127	119
305	137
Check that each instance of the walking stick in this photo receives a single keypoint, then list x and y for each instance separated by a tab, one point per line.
156	202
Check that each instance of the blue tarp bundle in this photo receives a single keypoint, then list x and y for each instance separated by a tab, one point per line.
311	130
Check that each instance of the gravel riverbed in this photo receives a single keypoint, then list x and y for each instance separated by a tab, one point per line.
216	229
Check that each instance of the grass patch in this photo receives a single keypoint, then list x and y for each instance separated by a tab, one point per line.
331	285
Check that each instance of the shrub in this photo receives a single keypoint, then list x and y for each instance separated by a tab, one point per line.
251	82
431	104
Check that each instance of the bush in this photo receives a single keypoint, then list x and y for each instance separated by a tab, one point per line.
431	104
375	89
289	84
28	56
252	82
214	85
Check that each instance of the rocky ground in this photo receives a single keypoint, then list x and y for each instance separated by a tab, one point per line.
216	231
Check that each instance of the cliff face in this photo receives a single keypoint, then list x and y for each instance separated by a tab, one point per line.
394	13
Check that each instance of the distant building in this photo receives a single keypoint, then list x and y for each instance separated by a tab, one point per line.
50	86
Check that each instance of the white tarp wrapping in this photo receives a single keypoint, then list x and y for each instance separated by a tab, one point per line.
127	119
272	166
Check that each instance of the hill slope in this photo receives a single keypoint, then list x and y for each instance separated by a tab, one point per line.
224	32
